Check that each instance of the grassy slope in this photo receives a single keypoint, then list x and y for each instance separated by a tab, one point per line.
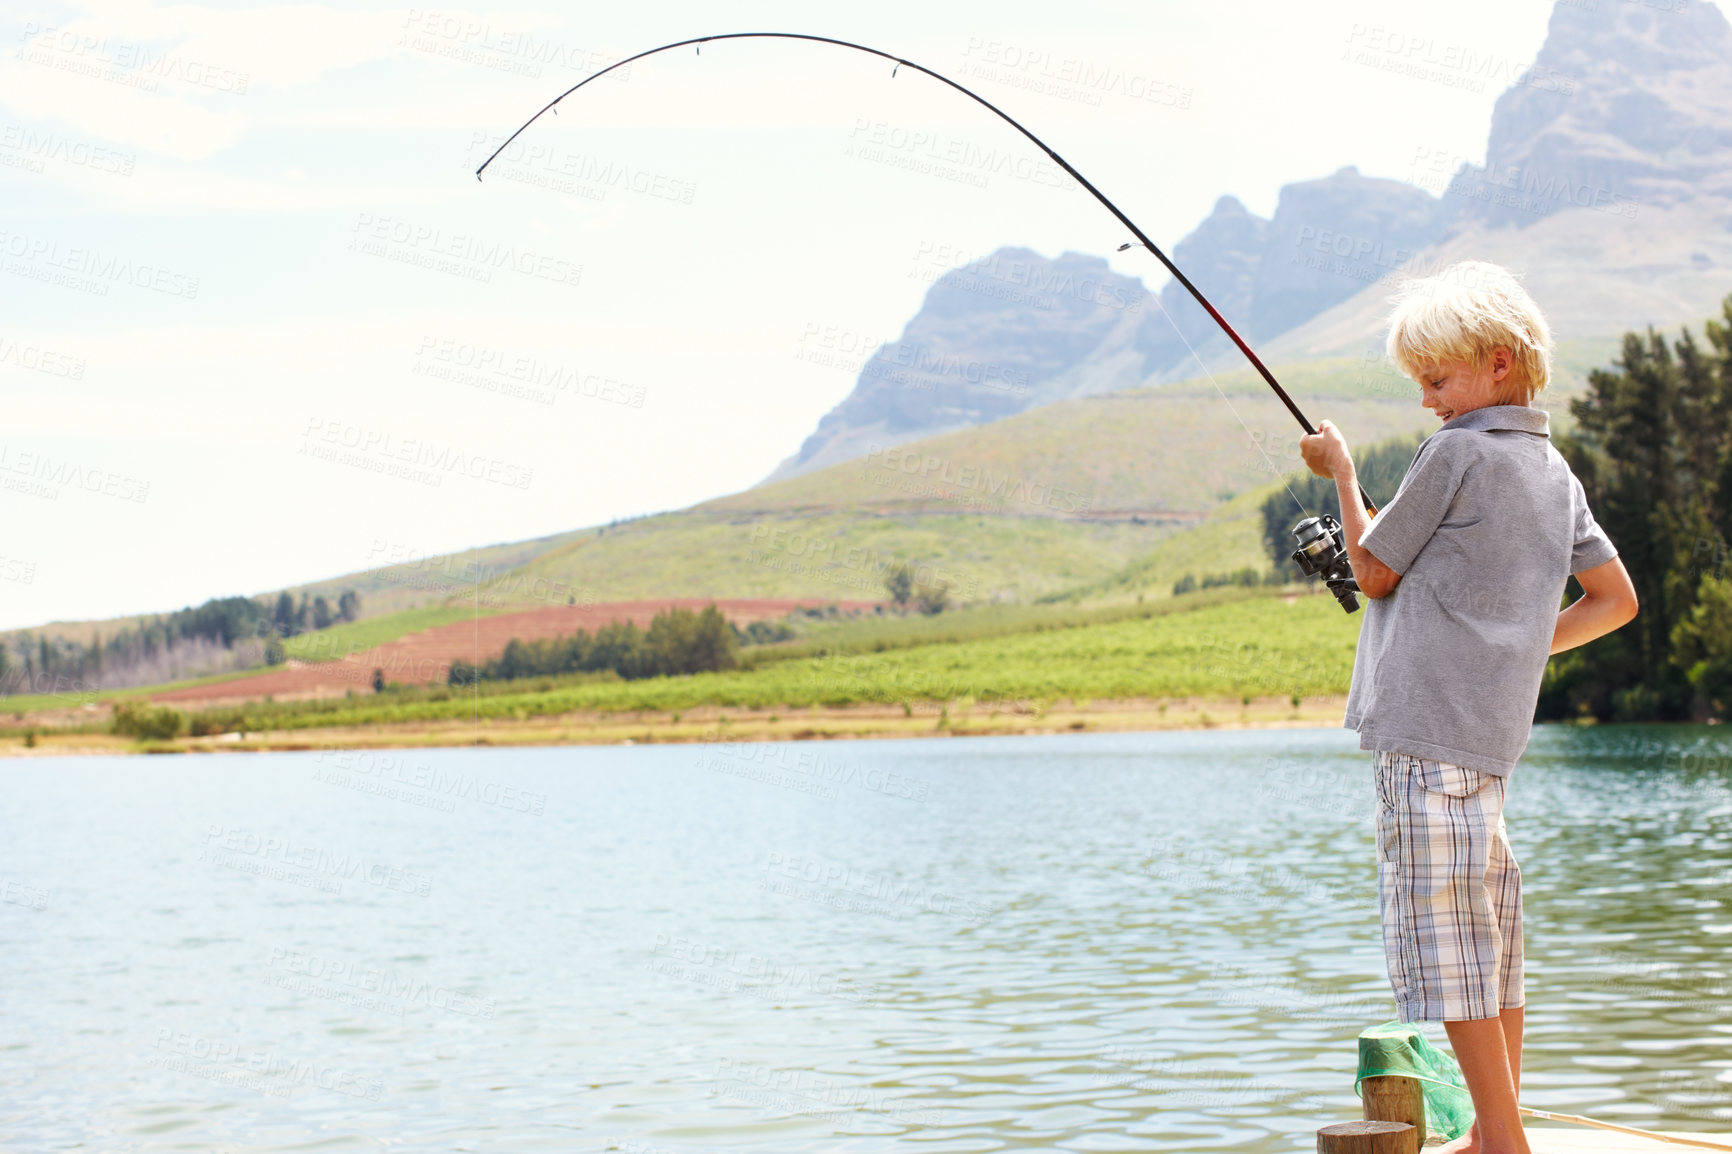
843	555
412	582
1030	506
1257	644
880	634
1231	539
1174	448
1097	498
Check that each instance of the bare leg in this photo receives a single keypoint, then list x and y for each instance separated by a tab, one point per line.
1511	1020
1489	1053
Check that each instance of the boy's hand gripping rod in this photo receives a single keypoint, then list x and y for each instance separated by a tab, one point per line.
1142	238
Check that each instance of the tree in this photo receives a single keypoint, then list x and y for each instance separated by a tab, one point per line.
899	583
678	641
349	605
321	613
619	647
933	598
275	651
711	645
146	722
763	632
1380	468
283	616
378	680
681	642
1702	645
1651	447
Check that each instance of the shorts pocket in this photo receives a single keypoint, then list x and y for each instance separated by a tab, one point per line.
1453	780
1380	781
1388	832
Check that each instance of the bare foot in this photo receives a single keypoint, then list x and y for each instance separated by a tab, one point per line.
1467	1144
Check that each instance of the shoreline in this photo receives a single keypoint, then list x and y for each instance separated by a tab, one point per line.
709	724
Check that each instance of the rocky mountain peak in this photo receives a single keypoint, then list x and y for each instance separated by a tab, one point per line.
1629	102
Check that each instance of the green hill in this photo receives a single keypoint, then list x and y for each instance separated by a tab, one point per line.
1073	494
1097	499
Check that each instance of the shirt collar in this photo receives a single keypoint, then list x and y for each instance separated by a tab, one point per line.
1521	418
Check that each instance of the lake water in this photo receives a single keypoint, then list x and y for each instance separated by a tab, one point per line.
1094	942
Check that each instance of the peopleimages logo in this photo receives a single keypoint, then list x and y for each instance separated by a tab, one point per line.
267	1071
975	478
390	769
412	452
35	147
358	983
89	269
136	64
41	360
40	467
496	369
238	848
462	254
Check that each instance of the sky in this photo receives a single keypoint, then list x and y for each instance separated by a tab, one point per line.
261	325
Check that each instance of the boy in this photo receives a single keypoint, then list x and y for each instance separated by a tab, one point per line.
1464	570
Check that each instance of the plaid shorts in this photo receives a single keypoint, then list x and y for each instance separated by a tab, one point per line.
1449	889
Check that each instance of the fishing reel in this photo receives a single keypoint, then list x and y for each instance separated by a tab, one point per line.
1323	551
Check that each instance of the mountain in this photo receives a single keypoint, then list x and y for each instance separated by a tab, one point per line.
1627	107
1009	332
1015	330
1607	184
1327	240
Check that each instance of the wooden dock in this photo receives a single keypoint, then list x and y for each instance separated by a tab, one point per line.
1393	1110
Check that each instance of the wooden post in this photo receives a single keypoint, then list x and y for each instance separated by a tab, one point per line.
1368	1138
1394	1098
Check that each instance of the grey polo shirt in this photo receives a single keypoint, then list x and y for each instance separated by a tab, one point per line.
1485	529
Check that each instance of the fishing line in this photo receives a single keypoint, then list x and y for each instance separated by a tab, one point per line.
1180	334
1142	238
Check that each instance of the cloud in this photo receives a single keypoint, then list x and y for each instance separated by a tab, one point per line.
284	45
78	78
182	81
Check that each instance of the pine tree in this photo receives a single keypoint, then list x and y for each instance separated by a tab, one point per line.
1650	446
283	617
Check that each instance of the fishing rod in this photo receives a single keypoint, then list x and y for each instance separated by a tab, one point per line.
1322	546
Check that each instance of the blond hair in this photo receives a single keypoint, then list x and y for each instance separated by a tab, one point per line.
1462	314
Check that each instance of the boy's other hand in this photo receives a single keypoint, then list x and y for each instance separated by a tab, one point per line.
1325	451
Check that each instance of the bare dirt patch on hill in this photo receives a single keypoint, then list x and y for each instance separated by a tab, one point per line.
426	656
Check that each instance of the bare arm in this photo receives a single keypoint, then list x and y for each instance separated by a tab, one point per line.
1608	601
1326	453
1374	578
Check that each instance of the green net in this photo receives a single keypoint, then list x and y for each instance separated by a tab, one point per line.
1400	1048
